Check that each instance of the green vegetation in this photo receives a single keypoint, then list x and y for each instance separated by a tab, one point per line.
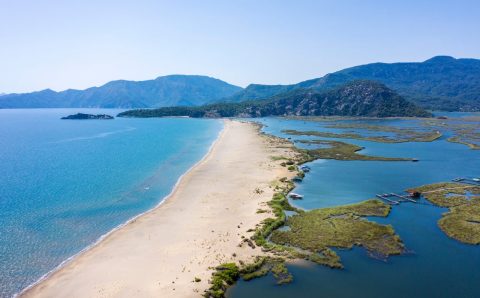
279	204
461	140
263	265
225	275
467	134
445	194
342	227
440	83
342	151
82	116
376	100
412	137
462	221
281	274
466	130
275	158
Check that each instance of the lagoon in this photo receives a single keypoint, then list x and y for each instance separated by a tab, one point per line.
434	266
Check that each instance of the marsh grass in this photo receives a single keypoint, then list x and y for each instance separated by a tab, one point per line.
466	131
342	227
468	140
264	265
223	276
401	135
462	221
342	151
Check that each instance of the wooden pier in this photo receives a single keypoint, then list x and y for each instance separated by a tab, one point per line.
392	202
473	181
401	198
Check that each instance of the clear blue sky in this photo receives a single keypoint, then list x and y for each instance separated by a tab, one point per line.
62	44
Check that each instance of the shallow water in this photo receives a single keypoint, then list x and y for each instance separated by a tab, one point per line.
436	266
64	183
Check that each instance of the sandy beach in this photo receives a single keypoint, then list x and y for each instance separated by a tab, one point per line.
199	226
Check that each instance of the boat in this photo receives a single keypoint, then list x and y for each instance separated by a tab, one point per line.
415	194
305	168
476	179
295	196
297	179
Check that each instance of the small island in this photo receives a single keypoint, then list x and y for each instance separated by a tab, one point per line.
81	116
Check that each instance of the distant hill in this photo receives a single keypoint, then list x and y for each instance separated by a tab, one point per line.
356	98
258	91
170	90
441	82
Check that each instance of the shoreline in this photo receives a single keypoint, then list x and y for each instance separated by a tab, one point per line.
64	278
119	227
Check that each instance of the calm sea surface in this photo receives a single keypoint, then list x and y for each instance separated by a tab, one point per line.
436	265
65	183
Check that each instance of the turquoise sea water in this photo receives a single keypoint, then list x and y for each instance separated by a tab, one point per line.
435	265
65	183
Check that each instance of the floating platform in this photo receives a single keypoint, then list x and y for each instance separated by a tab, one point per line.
399	198
385	198
403	197
470	181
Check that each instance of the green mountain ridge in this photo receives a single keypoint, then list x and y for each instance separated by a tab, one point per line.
441	82
357	98
162	91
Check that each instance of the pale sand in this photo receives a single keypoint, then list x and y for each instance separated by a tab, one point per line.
200	225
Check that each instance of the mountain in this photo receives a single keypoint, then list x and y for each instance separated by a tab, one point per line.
441	82
258	91
356	98
163	91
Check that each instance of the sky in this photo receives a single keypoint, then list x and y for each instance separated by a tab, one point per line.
61	44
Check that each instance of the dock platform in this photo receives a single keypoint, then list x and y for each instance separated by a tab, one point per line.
400	198
470	181
390	201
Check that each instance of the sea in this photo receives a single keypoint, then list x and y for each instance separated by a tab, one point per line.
434	264
66	183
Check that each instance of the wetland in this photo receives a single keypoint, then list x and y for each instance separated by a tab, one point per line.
413	235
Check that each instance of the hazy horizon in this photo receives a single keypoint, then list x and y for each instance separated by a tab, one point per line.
60	45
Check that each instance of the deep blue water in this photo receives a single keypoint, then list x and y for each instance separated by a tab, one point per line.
436	266
64	183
